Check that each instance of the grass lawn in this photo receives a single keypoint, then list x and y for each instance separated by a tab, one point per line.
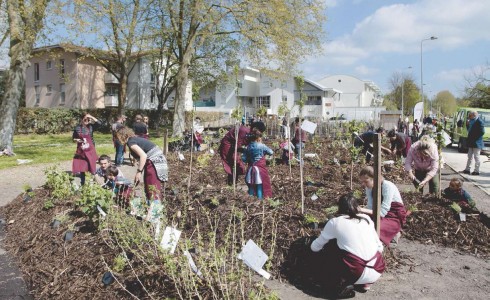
54	148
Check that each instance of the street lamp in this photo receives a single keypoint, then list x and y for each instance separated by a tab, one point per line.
422	72
403	85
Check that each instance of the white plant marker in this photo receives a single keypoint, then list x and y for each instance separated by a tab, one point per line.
192	264
254	258
170	239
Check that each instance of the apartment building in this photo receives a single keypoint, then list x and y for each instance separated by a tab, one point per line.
68	76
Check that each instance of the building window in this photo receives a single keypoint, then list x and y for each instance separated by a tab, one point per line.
49	88
49	65
111	90
36	72
62	94
284	98
152	77
62	66
314	100
263	101
152	96
37	89
239	84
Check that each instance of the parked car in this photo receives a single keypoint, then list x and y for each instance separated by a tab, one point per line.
459	129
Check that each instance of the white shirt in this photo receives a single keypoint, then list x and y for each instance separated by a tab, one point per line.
390	194
354	236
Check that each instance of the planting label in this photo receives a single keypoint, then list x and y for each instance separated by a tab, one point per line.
308	126
101	212
170	239
192	264
254	258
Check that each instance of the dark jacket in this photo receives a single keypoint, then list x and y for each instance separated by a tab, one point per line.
476	129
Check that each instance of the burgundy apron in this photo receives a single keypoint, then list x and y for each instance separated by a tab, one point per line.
264	175
85	159
392	222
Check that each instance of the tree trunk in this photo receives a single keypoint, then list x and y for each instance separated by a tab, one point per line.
15	82
179	110
24	24
123	82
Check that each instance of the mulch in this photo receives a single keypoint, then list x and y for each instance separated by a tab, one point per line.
59	269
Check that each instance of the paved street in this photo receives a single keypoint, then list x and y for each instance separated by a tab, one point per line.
457	161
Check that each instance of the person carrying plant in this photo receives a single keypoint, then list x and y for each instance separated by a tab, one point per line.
422	163
85	157
152	162
352	249
456	193
392	212
400	143
257	177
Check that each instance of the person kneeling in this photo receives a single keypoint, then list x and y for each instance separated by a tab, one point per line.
355	258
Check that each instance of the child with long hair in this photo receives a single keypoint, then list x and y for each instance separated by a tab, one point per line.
257	178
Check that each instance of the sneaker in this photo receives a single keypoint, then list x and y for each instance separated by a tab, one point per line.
361	288
466	172
475	173
347	292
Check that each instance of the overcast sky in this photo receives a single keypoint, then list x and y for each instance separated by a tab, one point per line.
372	39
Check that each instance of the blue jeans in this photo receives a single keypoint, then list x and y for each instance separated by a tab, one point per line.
298	145
119	153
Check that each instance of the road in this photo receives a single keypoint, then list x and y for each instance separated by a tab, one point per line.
477	186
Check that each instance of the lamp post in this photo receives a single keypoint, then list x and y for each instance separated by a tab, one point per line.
403	85
422	72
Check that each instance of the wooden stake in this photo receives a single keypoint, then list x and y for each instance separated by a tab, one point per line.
165	142
377	181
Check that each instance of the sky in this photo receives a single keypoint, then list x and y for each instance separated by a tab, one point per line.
373	39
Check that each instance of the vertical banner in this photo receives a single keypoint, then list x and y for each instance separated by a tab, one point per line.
417	111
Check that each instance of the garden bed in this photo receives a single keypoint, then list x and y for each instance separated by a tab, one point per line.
216	222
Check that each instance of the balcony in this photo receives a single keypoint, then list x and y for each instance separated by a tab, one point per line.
205	103
109	78
111	100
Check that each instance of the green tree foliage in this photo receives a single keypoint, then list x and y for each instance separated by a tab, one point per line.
266	33
445	102
403	87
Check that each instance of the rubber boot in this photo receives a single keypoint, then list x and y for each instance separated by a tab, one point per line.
259	191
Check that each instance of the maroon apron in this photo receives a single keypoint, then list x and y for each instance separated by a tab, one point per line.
392	222
153	185
85	159
264	175
227	150
408	144
345	268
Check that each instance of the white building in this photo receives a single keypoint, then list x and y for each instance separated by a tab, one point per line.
350	97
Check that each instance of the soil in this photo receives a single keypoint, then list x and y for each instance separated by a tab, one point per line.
437	257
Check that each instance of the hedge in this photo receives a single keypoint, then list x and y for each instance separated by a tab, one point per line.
60	120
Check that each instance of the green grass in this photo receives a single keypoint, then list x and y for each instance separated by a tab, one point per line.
56	148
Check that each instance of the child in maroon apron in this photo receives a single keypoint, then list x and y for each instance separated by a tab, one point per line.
85	157
257	178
